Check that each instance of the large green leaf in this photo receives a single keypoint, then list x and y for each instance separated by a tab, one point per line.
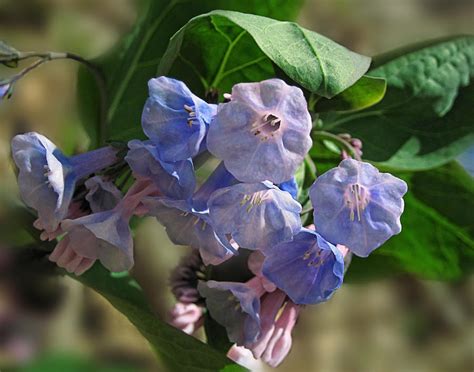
437	238
73	363
425	118
129	66
178	351
366	92
219	49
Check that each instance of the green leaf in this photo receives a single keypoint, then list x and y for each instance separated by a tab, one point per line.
178	351
222	48
425	118
365	93
216	334
72	363
129	66
437	238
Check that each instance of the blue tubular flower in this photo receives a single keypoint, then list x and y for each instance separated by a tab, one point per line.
175	119
357	206
290	186
308	269
174	180
186	226
256	215
263	133
105	236
235	306
102	195
47	178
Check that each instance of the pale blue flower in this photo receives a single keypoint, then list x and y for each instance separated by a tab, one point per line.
308	269
263	133
357	206
175	119
47	177
255	215
105	236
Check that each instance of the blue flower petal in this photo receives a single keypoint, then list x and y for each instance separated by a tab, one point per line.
175	119
263	133
290	186
105	236
174	180
186	226
308	269
357	206
45	178
255	215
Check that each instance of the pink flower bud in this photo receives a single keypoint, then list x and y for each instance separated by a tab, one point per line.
186	317
280	342
65	257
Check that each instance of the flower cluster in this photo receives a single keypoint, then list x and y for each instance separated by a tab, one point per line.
261	135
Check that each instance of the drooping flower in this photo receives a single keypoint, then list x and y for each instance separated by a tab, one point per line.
175	119
357	206
102	195
263	133
103	236
47	177
187	222
255	215
187	226
235	306
174	180
308	269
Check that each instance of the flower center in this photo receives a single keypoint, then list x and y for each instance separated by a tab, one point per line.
266	127
356	198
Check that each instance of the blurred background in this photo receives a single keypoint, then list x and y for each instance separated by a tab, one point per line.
56	324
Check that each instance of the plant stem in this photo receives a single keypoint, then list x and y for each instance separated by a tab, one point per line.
95	70
330	136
